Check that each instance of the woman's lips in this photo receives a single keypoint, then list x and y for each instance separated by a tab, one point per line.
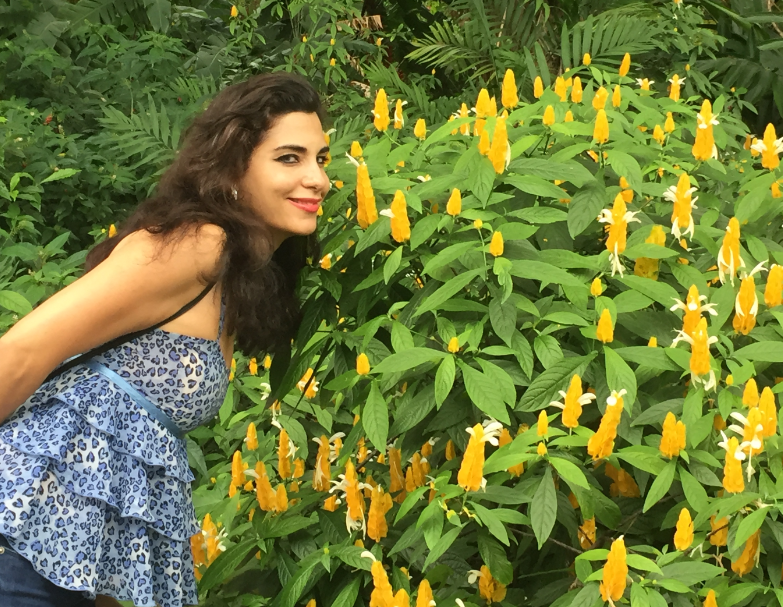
308	205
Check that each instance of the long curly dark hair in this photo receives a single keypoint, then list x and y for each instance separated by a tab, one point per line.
260	284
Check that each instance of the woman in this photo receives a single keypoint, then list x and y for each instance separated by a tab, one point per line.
95	495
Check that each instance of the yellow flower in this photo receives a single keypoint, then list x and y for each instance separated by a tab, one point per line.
233	371
353	496
500	150
470	475
420	130
362	364
538	87
668	126
234	11
749	557
267	361
659	135
397	480
704	146
356	149
252	437
732	467
322	473
599	99
683	534
615	572
596	288
618	219
454	205
601	443
508	94
674	89
338	184
586	534
693	309
769	147
644	83
549	116
543	424
477	224
719	530
625	65
775	190
451	452
769	412
573	400
398	212
381	111
112	231
623	483
330	504
586	59
367	212
773	293
682	214
700	343
489	588
281	499
399	119
561	88
653	343
601	129
309	391
617	96
332	61
576	90
463	113
299	468
285	450
746	306
453	346
484	145
605	330
569	116
729	258
265	495
541	449
326	261
238	468
673	438
648	267
424	596
710	601
496	244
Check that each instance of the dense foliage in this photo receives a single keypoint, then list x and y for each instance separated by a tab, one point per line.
541	354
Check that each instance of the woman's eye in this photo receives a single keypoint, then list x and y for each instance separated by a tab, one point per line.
321	159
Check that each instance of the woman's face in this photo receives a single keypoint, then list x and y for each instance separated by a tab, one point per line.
285	181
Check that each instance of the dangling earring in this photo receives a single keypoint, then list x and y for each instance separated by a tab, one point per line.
234	193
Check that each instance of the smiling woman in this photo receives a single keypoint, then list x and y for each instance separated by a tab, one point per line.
102	381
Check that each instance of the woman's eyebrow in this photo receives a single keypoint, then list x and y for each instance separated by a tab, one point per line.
299	148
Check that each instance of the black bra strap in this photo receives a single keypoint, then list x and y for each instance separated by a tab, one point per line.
80	358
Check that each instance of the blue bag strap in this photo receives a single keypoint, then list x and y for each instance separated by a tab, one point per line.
137	396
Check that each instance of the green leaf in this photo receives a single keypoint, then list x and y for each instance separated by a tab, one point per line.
619	376
447	291
447	255
494	557
649	357
407	359
749	525
423	229
481	179
541	214
503	317
226	564
544	387
543	272
694	491
655	290
626	166
375	418
11	300
375	232
588	595
569	471
570	171
391	265
484	393
352	556
61	174
348	594
228	405
444	379
444	543
650	251
493	523
691	573
293	589
543	508
660	486
637	561
584	207
763	351
537	187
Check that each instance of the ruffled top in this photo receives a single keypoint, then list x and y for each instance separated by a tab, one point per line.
94	491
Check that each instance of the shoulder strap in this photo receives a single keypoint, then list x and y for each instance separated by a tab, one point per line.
80	358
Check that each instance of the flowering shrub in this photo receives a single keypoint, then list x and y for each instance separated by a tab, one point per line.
516	380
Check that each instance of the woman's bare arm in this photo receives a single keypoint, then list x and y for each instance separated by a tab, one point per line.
126	292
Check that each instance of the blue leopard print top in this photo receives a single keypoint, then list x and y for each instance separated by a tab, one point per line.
94	492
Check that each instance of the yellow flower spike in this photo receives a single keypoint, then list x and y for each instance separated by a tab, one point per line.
281	499
451	452
615	572
729	258
309	391
478	224
601	443
454	205
586	60
749	557
265	495
710	600
484	145
541	449
543	424
659	135
682	214
493	108
424	596
549	116
285	450
625	65
420	130
617	218
674	88
746	306
769	412
233	371
500	150
596	288
733	482
648	267
234	11
399	118
508	95
560	88
397	480
601	128
587	533
569	116
775	190
483	104
623	485
252	437
573	400
323	468
267	361
356	149
644	83
673	438
470	475
326	261
704	147
299	468
538	87
238	470
683	534
617	96
490	589
332	62
362	364
496	244
576	90
653	343
453	346
367	212
353	497
719	530
605	330
398	213
463	113
599	99
381	111
700	343
331	503
668	126
382	594
769	147
693	309
773	293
